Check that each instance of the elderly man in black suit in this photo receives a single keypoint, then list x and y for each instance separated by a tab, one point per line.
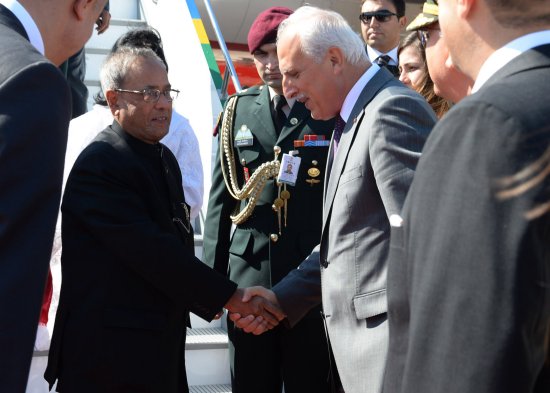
469	270
130	277
34	117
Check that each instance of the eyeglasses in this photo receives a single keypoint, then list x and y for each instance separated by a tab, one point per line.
153	95
380	16
424	35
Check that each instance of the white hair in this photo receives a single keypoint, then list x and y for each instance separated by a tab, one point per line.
116	66
319	30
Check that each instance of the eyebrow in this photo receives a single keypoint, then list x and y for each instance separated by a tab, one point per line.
168	86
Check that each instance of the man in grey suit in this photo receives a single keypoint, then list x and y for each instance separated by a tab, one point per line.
34	117
371	163
469	268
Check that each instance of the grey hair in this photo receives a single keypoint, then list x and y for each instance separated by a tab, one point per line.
320	30
116	66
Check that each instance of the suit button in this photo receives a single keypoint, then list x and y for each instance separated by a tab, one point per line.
324	263
274	237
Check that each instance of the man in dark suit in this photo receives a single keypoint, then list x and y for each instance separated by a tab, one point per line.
381	24
270	243
469	270
34	116
377	141
130	277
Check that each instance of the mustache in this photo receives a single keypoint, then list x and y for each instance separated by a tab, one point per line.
301	97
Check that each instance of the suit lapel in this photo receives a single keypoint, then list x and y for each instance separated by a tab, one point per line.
262	112
299	113
8	19
336	165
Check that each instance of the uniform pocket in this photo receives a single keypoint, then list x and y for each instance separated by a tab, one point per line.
240	241
248	155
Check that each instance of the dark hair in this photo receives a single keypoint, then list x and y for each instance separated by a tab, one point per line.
399	6
137	38
426	85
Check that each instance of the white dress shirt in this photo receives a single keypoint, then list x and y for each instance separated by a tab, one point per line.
356	91
28	23
374	54
507	53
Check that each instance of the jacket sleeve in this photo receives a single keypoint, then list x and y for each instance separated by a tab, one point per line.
300	290
34	117
402	125
109	204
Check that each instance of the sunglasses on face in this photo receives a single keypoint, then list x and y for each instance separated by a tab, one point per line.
380	16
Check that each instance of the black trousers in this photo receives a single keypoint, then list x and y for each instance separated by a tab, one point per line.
298	357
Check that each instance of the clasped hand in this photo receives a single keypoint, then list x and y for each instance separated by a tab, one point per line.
255	309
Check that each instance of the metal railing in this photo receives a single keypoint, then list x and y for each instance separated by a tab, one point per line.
230	68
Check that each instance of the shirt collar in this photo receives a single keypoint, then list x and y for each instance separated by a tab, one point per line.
289	101
507	53
28	23
356	91
375	54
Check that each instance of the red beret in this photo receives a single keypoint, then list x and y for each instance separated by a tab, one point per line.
264	28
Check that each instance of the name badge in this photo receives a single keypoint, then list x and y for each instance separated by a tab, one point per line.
288	173
244	137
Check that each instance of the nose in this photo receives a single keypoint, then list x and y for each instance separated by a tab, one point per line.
289	90
404	78
163	102
273	62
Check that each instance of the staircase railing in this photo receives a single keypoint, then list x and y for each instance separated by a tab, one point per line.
230	68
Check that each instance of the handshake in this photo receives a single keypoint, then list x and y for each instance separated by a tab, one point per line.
254	309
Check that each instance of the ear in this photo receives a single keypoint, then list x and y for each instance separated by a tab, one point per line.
82	7
112	99
465	7
336	58
403	21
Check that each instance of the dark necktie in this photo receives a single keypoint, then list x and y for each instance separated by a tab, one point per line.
279	117
339	125
384	61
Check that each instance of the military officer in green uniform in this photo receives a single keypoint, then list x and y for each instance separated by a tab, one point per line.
277	224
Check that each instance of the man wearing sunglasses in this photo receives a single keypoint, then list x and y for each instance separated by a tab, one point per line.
449	82
381	25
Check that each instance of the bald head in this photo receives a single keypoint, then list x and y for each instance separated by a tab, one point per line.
65	25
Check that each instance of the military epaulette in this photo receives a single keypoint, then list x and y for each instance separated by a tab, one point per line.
251	91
